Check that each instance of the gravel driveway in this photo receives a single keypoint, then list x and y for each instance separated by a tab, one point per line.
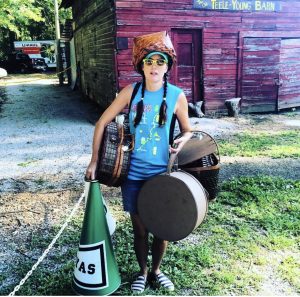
46	136
45	133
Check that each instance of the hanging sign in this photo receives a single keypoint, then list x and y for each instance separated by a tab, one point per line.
236	5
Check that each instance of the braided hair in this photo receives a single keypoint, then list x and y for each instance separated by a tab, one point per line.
163	107
140	105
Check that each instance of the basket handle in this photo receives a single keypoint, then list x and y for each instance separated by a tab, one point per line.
171	162
131	147
201	131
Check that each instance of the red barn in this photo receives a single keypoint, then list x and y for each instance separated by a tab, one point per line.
225	48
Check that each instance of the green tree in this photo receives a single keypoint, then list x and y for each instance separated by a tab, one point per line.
16	15
45	29
27	20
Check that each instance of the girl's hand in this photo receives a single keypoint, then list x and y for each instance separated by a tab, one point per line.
180	142
91	171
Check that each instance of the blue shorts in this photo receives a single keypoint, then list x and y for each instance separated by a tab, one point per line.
130	192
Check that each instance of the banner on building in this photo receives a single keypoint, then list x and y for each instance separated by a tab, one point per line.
38	49
236	5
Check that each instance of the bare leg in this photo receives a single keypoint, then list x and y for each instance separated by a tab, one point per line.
159	247
141	246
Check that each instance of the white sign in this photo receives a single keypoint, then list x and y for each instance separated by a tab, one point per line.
91	267
19	44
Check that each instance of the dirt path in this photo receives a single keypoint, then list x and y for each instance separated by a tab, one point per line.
46	134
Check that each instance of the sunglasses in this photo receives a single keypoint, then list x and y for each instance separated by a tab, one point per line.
158	62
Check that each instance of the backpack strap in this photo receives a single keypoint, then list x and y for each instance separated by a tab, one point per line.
134	92
174	117
172	128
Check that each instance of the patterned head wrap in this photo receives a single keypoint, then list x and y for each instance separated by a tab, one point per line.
155	42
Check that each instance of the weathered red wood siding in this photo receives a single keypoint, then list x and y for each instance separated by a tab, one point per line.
258	83
289	74
221	44
234	61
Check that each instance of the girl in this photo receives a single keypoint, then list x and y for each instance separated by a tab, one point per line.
152	110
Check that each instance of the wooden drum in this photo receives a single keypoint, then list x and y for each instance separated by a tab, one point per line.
172	205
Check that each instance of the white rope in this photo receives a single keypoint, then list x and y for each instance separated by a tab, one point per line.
42	257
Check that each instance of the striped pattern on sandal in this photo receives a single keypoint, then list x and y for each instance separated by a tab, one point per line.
138	286
164	281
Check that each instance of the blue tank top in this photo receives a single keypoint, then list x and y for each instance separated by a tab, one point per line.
151	150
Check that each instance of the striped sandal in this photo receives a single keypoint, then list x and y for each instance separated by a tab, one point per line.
162	280
139	285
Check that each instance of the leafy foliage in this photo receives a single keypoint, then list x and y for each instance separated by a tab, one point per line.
15	15
27	20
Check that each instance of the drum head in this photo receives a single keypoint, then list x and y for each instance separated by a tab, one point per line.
167	206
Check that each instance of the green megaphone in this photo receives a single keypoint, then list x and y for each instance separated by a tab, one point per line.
96	271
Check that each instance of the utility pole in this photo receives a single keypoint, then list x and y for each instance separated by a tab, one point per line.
58	49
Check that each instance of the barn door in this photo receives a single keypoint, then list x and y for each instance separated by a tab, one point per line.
289	76
188	71
260	74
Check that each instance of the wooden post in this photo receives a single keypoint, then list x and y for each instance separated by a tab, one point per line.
59	67
68	62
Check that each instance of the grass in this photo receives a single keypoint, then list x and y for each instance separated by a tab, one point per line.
40	181
34	75
253	220
27	163
290	269
267	144
253	227
13	79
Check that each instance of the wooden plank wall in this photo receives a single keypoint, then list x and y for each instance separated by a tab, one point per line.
94	36
220	38
289	75
261	58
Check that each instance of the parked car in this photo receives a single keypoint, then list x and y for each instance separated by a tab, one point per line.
3	72
20	62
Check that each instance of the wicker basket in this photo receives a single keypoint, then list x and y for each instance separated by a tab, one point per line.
202	159
206	170
114	155
115	150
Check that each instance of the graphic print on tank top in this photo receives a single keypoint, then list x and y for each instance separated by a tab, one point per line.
151	150
148	134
